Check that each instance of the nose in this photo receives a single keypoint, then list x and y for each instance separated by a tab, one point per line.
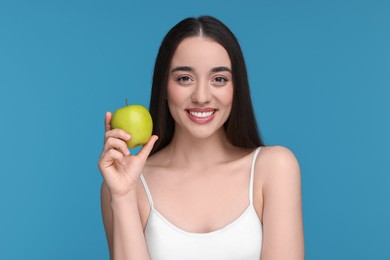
201	93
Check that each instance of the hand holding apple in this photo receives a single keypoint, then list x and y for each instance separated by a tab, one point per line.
128	127
136	121
121	169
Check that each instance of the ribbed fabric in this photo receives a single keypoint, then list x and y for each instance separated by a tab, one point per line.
239	240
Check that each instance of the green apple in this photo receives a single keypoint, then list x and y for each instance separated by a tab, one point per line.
136	121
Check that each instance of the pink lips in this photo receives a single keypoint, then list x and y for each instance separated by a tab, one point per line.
201	115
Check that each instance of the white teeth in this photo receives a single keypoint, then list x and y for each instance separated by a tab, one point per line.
201	114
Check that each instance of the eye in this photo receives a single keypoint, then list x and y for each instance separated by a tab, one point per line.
220	81
184	80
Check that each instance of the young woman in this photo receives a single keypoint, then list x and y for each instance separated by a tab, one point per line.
204	186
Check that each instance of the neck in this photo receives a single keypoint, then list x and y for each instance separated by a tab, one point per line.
189	151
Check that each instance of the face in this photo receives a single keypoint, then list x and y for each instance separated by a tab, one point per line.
200	87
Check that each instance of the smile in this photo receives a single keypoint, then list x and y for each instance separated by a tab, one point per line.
201	116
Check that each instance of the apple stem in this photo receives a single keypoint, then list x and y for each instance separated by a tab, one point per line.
126	102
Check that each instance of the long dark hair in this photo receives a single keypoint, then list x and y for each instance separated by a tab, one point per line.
241	127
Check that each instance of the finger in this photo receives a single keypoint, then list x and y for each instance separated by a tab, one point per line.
109	157
117	144
107	124
145	151
117	133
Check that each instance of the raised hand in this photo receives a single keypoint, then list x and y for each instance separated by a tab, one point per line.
120	169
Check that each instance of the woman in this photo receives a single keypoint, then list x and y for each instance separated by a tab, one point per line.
204	186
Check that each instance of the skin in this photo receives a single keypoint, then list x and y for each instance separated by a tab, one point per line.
189	177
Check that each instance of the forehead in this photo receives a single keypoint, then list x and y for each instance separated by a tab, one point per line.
200	52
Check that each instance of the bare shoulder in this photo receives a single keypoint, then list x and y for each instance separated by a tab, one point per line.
277	179
277	163
279	156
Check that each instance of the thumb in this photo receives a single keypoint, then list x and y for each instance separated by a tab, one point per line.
147	148
107	122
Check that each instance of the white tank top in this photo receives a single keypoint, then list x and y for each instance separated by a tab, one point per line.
239	240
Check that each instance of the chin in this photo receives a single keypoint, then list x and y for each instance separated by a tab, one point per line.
205	133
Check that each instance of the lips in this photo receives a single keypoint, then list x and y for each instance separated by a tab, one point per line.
201	115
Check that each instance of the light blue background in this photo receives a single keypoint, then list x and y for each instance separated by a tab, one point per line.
319	73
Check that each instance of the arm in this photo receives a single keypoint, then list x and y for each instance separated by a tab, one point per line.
282	209
123	226
105	200
121	172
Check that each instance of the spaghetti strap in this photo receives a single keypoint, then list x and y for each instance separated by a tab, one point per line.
147	191
252	175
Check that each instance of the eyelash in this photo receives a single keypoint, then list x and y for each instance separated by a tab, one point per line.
183	79
218	80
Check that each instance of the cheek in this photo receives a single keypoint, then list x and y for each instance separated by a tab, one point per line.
175	99
226	96
226	100
173	95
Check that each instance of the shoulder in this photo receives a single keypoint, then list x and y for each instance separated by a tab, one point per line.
277	170
277	160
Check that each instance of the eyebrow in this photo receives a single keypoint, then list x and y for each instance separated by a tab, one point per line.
190	69
221	68
183	68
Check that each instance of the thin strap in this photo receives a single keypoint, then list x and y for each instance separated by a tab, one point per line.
252	175
147	191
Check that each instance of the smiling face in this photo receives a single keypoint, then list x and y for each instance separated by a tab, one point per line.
200	87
